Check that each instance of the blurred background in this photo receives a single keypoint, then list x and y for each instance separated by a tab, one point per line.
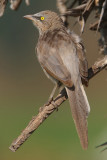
24	88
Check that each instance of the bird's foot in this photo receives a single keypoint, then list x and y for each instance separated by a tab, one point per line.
55	105
50	101
46	104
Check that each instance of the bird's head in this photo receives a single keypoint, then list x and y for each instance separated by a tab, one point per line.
45	20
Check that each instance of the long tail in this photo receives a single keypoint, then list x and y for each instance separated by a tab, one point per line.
80	109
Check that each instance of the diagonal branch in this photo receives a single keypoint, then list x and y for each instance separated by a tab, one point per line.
36	121
50	108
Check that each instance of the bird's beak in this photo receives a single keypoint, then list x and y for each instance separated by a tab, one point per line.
29	17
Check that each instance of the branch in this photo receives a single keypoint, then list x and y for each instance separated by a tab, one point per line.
93	26
61	5
97	67
27	2
102	145
2	6
36	121
50	108
14	5
75	12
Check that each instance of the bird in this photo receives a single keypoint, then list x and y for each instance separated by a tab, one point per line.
61	55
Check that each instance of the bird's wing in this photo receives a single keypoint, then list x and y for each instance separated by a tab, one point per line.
83	64
51	61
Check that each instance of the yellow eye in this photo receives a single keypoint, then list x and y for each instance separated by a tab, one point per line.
42	18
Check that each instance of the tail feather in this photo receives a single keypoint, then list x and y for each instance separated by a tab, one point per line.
80	109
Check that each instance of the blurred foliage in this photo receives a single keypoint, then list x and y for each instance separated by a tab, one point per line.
24	88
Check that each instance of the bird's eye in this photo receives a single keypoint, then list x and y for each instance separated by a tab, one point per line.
42	18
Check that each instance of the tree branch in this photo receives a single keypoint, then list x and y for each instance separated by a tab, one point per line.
14	5
2	6
50	108
61	5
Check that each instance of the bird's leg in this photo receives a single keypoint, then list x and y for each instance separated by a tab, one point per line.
50	100
61	87
52	93
57	85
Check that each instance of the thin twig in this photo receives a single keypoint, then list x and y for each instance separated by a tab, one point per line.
61	5
49	109
101	145
102	13
15	4
97	67
77	11
27	2
93	26
3	4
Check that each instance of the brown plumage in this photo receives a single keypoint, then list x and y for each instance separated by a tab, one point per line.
62	57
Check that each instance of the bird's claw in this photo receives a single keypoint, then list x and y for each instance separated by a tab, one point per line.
50	101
